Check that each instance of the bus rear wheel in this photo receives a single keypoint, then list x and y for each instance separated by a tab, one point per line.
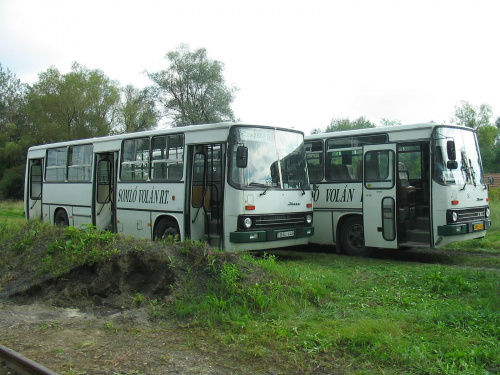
352	237
61	219
165	229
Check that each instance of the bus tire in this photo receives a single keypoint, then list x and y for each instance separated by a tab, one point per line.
166	228
61	218
352	237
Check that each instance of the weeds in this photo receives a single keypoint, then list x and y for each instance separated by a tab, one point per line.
78	247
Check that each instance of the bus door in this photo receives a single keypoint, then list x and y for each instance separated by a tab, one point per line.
206	192
35	185
104	202
379	196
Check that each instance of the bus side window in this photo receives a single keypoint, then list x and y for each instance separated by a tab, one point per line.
56	169
168	157
135	159
314	153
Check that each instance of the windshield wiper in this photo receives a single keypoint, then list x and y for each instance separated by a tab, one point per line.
257	184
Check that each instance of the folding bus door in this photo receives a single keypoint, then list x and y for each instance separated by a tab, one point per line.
104	204
206	192
34	186
379	196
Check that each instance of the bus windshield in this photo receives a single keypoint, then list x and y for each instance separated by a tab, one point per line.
456	157
276	159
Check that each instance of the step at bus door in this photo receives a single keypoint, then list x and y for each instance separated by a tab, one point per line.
379	196
34	189
206	185
104	204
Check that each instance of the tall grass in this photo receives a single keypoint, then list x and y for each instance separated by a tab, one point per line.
11	217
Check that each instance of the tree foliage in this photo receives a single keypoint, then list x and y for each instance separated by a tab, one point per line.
339	124
137	110
480	118
12	93
12	144
386	122
193	90
472	116
79	104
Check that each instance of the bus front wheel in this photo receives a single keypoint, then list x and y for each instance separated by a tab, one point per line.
352	237
61	219
165	229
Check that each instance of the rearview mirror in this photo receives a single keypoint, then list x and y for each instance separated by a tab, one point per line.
450	149
452	164
242	157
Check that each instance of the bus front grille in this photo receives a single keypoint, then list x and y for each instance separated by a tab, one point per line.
470	215
282	220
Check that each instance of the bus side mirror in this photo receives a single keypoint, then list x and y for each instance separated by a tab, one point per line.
450	149
491	180
452	164
242	157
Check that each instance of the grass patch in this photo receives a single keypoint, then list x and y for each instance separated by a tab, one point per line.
315	312
11	217
369	315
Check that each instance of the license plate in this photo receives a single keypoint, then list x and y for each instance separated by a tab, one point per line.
479	226
289	233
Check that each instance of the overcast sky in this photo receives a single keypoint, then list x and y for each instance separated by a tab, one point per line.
297	63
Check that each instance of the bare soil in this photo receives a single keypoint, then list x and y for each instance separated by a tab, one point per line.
90	321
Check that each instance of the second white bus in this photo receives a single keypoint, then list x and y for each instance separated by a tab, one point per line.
235	186
397	187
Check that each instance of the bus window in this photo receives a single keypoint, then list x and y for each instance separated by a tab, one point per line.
377	169
56	164
343	165
135	159
103	181
168	157
80	163
314	153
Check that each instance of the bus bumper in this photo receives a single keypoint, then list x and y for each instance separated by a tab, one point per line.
271	235
464	228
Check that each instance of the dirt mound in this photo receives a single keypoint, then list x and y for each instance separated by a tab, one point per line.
137	271
114	283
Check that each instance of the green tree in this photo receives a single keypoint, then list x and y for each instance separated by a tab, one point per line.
480	118
386	122
12	93
471	115
137	111
339	124
79	104
13	146
193	90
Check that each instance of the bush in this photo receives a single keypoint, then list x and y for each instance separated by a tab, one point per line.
494	194
12	183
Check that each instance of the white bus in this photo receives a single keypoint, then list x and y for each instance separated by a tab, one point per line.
235	186
396	187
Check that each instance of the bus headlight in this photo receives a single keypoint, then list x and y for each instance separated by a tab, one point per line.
309	218
487	212
247	223
451	217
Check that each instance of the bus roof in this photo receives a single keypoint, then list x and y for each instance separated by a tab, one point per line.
149	133
425	129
